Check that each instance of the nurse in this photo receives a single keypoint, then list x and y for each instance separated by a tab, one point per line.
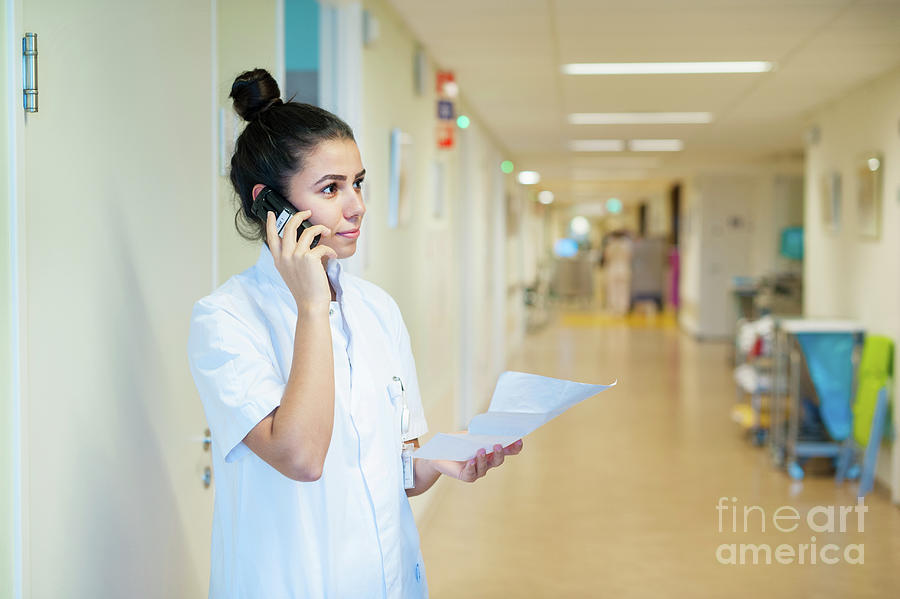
308	381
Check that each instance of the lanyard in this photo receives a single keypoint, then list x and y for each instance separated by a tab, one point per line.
404	414
406	449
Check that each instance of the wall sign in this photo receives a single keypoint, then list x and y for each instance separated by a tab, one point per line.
446	112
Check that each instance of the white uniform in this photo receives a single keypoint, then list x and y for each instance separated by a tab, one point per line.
351	533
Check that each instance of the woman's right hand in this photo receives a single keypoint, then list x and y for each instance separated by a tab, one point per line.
301	268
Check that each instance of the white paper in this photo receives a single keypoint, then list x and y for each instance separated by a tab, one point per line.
459	447
521	404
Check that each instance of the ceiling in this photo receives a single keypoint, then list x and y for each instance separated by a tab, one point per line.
507	56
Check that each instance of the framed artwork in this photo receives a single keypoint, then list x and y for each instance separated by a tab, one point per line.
513	214
400	183
420	71
831	194
869	169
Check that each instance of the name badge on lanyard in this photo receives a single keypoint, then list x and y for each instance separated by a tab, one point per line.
406	449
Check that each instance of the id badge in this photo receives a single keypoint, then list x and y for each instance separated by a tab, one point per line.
409	475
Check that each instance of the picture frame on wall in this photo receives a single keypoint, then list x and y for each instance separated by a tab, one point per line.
400	182
831	194
869	183
513	214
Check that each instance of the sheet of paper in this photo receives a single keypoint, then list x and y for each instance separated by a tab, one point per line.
459	446
521	404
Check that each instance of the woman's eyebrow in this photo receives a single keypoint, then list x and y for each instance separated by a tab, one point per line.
339	177
330	177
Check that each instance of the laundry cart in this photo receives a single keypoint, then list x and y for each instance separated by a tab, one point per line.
648	271
573	279
815	382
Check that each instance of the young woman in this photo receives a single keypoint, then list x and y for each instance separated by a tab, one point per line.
308	381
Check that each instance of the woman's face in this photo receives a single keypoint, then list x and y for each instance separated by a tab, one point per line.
330	185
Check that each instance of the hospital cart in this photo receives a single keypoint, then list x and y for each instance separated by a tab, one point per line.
788	449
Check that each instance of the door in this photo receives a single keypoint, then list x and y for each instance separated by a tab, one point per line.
727	225
115	246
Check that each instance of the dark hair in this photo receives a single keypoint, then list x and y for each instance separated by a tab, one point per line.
278	137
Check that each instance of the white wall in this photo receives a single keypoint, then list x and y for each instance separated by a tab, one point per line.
690	252
245	40
844	274
425	263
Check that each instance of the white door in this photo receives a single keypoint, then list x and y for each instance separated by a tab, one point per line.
115	246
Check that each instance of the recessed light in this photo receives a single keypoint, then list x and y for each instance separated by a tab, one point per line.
640	118
655	145
666	68
596	145
545	197
580	226
529	177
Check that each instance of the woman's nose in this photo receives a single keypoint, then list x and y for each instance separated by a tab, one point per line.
355	208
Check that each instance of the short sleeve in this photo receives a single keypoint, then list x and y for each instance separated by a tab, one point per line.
418	426
238	382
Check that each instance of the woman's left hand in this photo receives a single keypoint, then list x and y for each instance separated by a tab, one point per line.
471	470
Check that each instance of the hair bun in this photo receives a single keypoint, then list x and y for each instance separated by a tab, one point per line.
254	92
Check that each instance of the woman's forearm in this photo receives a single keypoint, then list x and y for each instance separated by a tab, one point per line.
425	477
303	423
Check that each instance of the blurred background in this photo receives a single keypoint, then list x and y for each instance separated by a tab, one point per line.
698	198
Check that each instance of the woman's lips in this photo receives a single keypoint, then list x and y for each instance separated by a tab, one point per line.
350	234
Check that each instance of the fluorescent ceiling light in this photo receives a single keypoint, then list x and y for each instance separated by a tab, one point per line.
585	174
640	118
529	177
655	145
617	161
666	68
596	145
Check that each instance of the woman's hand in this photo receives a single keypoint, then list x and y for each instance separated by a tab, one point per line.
301	267
471	470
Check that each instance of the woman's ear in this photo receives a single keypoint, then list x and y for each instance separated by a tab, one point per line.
256	189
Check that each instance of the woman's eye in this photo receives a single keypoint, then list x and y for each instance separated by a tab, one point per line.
330	189
358	184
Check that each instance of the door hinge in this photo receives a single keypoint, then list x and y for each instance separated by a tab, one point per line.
30	72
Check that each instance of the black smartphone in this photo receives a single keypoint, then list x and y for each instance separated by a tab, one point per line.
270	200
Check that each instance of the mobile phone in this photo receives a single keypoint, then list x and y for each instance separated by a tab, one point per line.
270	200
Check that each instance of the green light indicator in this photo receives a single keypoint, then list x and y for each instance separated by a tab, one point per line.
507	166
462	122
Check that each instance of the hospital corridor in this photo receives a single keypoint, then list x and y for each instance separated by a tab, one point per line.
397	299
621	497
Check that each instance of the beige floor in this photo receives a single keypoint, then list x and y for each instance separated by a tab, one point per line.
617	497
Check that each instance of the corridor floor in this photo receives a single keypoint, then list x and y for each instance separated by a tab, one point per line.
617	497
